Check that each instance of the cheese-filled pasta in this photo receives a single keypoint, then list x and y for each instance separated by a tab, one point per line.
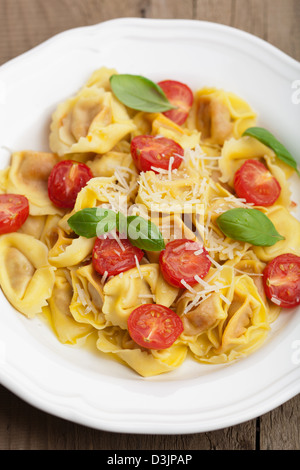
160	226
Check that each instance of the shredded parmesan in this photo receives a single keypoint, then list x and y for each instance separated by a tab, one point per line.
147	296
104	277
138	266
187	286
171	161
81	295
275	301
227	301
117	238
248	273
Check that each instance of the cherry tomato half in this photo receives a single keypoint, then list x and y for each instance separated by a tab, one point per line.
109	257
180	261
254	182
150	152
179	95
281	278
14	210
154	326
66	179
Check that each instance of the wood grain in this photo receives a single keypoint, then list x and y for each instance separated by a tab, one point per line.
23	25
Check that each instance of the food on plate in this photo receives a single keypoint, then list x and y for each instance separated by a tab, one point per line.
159	225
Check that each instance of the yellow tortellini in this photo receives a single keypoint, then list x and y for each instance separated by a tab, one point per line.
124	293
91	121
219	330
181	194
68	330
147	363
158	124
288	227
26	276
219	115
68	251
48	269
87	300
236	151
28	175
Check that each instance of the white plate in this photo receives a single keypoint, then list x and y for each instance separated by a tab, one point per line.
79	385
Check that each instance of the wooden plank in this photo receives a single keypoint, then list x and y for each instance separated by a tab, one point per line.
275	21
280	429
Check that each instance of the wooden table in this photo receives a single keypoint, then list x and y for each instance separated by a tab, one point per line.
26	23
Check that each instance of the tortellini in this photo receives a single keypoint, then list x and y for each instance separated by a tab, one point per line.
92	121
48	269
28	175
124	293
289	228
68	251
181	194
236	151
158	124
220	331
87	300
219	115
68	330
147	363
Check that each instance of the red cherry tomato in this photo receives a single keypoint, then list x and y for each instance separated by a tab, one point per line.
150	152
179	95
281	278
109	257
66	179
180	261
14	210
254	182
154	326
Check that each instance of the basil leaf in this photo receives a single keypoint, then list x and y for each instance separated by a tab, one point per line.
269	140
140	93
144	234
92	222
248	225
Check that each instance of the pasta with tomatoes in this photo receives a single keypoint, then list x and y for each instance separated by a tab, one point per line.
162	234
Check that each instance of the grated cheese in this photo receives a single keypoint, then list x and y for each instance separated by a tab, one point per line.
275	301
81	295
249	274
138	266
104	277
227	301
187	286
171	161
84	300
118	240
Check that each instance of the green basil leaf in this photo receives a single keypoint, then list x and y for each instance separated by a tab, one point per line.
144	234
248	225
140	93
269	140
93	222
